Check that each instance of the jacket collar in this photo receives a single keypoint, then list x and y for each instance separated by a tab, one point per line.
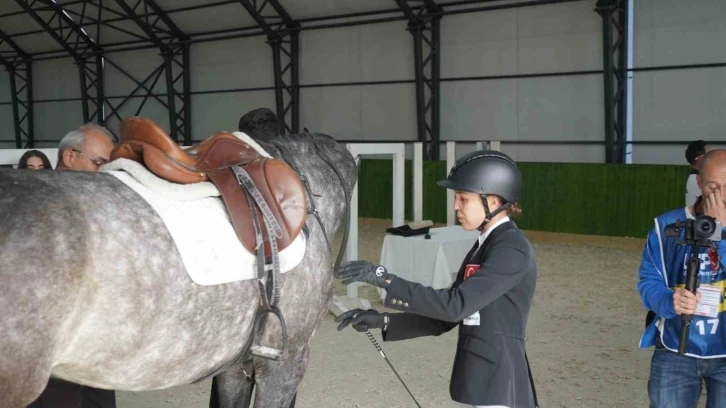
495	233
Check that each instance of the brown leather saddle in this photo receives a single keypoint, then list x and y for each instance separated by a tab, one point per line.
264	197
212	160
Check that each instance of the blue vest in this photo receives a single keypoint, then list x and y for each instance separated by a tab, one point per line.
664	268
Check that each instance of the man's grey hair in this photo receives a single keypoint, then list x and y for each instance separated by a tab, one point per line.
75	139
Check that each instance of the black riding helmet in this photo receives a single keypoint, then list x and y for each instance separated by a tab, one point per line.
486	172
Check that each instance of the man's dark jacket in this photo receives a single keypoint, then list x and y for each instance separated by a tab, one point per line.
490	366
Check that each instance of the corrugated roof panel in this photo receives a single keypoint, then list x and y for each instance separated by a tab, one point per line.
176	4
306	8
211	19
17	23
40	42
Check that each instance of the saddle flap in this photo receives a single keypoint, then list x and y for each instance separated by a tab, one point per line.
281	189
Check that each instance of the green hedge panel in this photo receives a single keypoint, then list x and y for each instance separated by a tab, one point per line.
580	198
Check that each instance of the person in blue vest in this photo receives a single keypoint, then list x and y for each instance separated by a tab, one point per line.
489	301
676	380
694	154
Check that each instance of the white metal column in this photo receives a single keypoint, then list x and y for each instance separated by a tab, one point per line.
450	160
397	151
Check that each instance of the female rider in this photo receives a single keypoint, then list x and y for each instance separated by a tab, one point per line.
489	300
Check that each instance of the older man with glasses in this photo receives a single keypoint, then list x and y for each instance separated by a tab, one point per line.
85	149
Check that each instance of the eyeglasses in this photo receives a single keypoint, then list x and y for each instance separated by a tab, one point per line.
97	162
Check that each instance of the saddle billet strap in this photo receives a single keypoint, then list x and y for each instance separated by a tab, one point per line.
275	267
271	225
259	250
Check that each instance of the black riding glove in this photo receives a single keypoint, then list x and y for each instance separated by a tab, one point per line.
363	320
362	271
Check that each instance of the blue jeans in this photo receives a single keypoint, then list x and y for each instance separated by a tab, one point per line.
675	380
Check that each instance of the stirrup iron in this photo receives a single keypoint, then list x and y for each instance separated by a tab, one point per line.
269	353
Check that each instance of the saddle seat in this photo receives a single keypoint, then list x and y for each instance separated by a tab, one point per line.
143	141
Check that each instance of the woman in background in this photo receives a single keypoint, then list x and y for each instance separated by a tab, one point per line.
34	160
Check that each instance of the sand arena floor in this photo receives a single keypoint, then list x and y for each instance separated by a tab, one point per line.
584	329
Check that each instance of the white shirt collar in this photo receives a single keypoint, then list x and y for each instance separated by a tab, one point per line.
483	236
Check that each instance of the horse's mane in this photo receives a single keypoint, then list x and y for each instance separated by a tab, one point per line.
293	141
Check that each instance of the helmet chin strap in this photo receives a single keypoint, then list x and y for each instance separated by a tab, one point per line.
489	214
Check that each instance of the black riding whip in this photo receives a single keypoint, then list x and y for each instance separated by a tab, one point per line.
380	350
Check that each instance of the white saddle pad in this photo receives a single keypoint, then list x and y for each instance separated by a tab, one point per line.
200	226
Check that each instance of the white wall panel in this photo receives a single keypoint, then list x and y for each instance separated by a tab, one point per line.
552	38
5	94
540	153
152	110
56	79
222	111
561	53
139	65
386	52
231	64
556	153
388	112
680	105
54	119
7	129
479	44
559	37
377	52
479	110
677	104
380	112
560	108
330	56
544	39
674	32
335	111
557	108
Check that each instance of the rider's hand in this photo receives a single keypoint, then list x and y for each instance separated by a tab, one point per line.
685	302
362	320
362	271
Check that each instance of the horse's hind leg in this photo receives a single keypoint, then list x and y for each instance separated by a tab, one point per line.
230	389
277	382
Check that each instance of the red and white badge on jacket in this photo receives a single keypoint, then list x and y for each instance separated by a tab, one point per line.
472	320
470	269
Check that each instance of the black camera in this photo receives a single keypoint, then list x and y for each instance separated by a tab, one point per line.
704	230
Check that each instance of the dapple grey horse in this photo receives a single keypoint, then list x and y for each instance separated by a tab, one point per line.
93	290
